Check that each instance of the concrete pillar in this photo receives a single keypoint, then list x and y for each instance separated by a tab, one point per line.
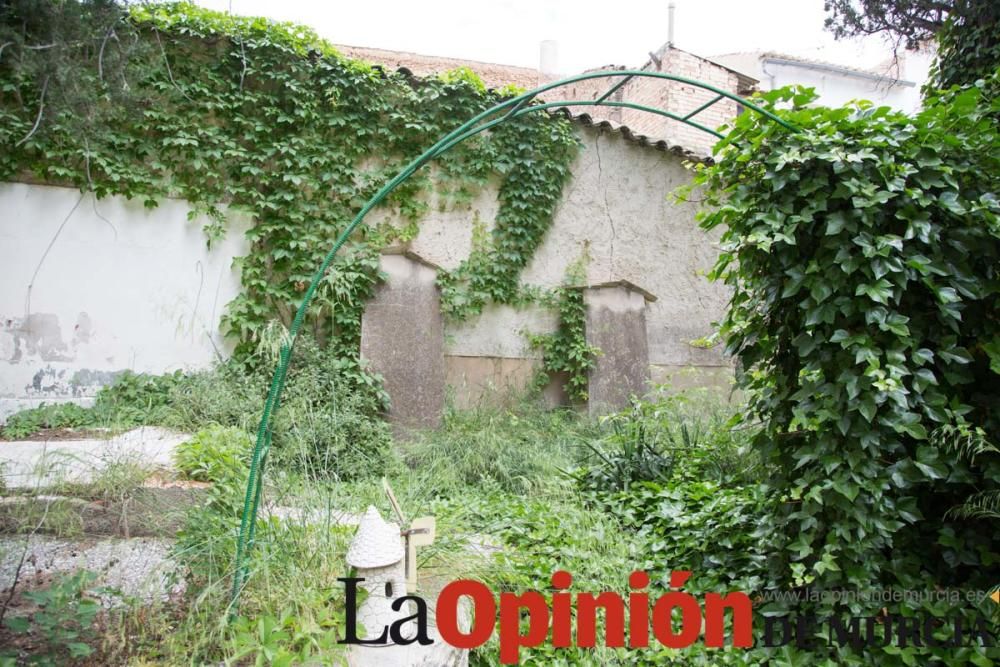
402	337
616	323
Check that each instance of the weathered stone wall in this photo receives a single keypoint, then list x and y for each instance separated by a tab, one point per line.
402	337
616	324
129	288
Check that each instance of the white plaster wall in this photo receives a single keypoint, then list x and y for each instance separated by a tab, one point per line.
836	90
118	287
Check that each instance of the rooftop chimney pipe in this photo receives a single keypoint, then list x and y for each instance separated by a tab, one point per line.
670	24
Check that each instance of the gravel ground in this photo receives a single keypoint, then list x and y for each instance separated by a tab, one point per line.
138	567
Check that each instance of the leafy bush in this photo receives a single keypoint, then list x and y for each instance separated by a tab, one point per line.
635	451
61	415
683	436
64	620
712	529
674	471
229	394
134	399
213	454
281	641
862	254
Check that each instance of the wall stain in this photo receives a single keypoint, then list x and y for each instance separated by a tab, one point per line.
49	382
39	335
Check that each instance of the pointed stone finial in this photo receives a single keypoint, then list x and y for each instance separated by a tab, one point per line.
376	544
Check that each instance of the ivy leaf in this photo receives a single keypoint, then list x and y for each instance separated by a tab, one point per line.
835	222
846	489
930	471
879	291
992	349
866	406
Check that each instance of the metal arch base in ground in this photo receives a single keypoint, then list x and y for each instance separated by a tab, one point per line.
507	110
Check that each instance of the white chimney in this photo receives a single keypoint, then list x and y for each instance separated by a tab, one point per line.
548	58
670	23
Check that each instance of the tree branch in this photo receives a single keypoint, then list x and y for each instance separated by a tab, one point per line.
166	62
41	110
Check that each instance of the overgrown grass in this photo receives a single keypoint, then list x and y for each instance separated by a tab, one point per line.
513	451
545	487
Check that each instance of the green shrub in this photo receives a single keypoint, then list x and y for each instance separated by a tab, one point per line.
281	641
330	423
712	529
64	619
637	450
213	454
862	251
60	415
683	436
333	438
229	394
134	399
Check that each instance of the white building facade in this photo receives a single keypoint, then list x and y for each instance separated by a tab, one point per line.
895	83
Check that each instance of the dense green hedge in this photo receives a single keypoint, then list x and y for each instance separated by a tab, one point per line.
864	257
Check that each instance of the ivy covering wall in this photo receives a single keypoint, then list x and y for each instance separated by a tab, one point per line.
243	115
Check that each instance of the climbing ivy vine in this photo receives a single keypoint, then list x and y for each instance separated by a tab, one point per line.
565	352
862	252
246	116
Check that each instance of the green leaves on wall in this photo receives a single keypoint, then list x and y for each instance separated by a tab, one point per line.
245	115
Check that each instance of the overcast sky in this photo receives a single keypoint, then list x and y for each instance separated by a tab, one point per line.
589	33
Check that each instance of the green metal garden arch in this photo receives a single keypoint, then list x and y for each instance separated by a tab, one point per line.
500	113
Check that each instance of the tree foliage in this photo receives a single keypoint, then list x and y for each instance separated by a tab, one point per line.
969	45
863	255
913	21
965	31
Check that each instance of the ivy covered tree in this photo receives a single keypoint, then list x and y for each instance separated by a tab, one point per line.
965	31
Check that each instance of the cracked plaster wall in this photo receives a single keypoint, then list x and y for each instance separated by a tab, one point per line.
617	207
123	287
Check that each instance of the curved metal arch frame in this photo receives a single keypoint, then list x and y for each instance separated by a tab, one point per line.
514	107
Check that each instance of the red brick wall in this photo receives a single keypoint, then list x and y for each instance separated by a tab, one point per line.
673	96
